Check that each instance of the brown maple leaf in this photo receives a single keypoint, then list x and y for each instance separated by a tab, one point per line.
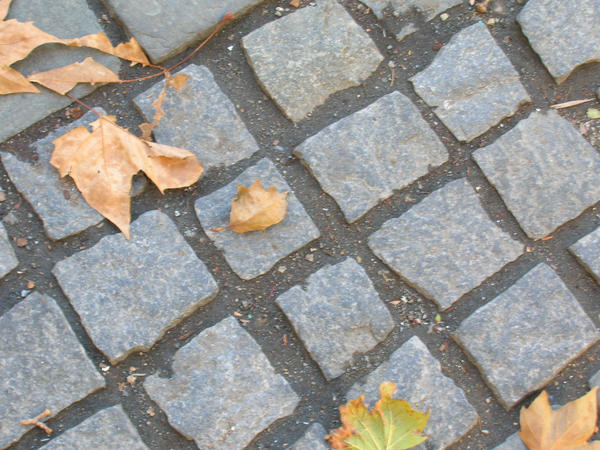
12	82
4	5
102	163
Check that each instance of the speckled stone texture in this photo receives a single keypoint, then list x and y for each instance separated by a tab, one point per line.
428	8
595	380
471	84
420	381
42	365
56	200
200	118
8	259
223	391
128	293
337	315
313	439
565	34
65	19
105	430
254	253
362	158
165	27
446	245
304	57
587	251
526	335
513	442
544	170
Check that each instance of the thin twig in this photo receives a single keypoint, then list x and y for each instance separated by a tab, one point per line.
571	103
36	421
89	108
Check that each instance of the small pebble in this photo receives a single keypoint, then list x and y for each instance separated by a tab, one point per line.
282	269
310	257
444	17
491	22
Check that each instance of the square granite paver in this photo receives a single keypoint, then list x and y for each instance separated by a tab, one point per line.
56	200
128	293
513	442
65	19
565	34
304	57
587	251
8	259
446	245
165	27
471	84
200	118
313	439
42	365
362	158
337	315
224	390
252	254
105	430
544	170
420	381
526	335
429	8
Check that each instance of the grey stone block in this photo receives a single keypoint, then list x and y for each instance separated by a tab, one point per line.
313	439
446	245
564	34
252	254
420	381
42	365
513	442
8	259
224	391
595	380
428	8
56	200
65	19
128	293
362	158
587	251
471	84
337	315
544	170
304	57
164	27
526	335
200	119
105	430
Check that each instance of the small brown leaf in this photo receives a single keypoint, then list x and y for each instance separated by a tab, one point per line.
178	81
30	285
131	51
4	5
254	208
21	242
12	82
63	79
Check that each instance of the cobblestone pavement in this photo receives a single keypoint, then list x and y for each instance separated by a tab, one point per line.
427	174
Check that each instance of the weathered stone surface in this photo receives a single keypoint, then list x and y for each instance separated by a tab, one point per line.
587	251
429	8
513	442
65	19
164	28
56	200
337	315
105	430
8	259
446	245
304	57
200	119
252	254
42	365
362	158
471	84
544	170
595	380
129	292
419	380
526	335
564	34
224	391
313	439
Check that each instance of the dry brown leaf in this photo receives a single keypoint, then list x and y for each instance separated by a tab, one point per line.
102	163
178	81
254	208
12	82
568	427
18	39
4	5
131	51
63	79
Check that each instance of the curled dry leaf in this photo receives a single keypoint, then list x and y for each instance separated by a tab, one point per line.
254	208
391	425
103	162
63	79
19	39
571	426
131	51
12	82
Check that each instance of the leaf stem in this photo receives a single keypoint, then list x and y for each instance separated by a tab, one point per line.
89	108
